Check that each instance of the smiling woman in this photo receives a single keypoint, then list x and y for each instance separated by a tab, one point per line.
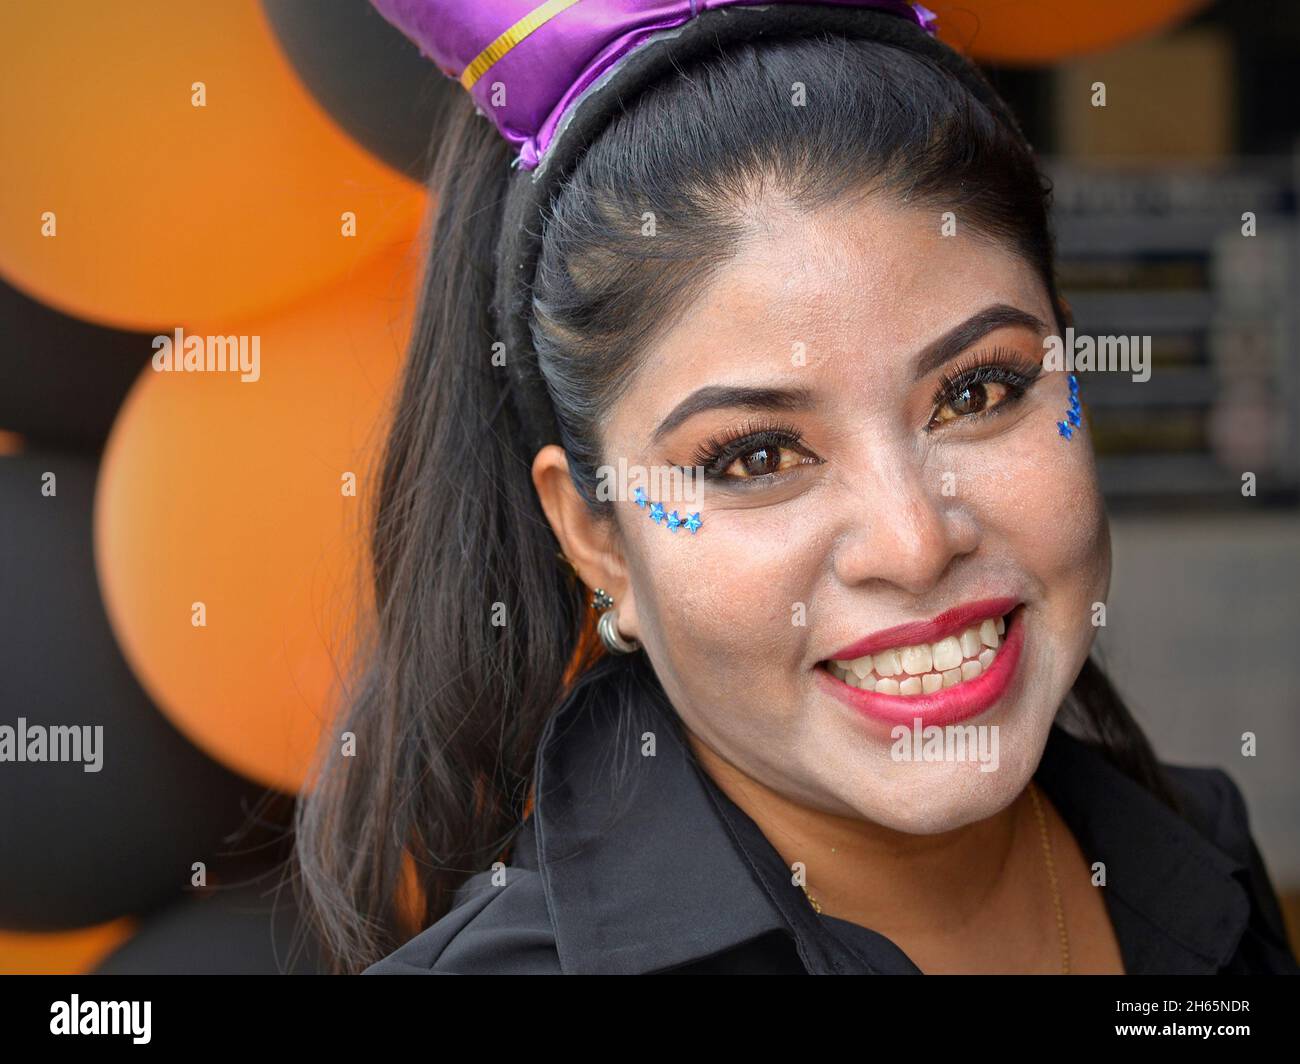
808	260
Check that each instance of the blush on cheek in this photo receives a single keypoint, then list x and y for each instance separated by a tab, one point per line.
1068	510
1041	488
1037	501
715	609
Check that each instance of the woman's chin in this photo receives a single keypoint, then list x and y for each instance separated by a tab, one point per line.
926	784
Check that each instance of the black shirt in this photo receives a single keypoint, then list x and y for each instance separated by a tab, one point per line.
632	864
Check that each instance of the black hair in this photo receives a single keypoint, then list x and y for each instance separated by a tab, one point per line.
480	628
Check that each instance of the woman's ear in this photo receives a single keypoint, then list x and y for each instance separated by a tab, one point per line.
586	541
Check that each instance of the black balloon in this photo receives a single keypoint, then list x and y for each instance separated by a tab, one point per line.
371	79
249	930
63	379
77	847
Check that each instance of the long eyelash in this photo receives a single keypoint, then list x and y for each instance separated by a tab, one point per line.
998	365
719	451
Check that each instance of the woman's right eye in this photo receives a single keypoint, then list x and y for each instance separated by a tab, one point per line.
762	462
754	456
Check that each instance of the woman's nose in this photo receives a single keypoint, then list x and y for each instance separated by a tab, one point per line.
905	530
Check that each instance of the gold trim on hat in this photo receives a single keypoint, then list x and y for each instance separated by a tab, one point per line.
534	20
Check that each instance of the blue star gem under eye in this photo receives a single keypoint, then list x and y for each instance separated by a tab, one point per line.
672	521
1073	413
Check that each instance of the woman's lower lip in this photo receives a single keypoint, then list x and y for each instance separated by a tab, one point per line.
946	706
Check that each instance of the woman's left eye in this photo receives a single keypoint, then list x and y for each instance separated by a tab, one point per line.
973	398
978	392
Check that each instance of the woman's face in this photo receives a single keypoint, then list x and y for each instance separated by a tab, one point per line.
854	501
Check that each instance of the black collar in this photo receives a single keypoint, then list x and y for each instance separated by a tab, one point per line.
647	865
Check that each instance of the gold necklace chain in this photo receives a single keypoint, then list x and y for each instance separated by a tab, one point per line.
1051	875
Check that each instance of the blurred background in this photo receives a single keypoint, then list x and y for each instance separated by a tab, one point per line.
179	552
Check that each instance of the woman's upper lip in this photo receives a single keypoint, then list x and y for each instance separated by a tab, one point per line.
950	622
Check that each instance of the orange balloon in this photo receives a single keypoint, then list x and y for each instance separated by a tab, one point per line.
61	952
225	502
1033	32
162	211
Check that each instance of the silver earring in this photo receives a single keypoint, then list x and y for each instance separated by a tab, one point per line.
607	626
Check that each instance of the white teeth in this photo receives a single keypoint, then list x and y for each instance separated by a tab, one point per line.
989	634
925	667
947	654
917	660
887	663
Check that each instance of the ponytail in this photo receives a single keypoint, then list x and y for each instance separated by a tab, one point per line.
475	623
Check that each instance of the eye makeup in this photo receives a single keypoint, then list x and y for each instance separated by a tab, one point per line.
966	383
747	440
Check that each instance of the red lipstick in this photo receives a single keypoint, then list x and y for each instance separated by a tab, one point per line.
950	622
947	705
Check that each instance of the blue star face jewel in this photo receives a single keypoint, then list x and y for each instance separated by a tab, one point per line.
672	521
1073	413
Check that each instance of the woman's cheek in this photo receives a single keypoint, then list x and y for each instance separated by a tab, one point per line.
1042	500
722	601
1067	512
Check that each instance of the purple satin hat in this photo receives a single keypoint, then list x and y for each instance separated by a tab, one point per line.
552	75
527	63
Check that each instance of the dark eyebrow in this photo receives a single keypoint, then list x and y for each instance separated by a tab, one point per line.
956	340
948	346
717	396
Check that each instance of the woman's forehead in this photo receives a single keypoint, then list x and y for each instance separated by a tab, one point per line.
865	288
875	266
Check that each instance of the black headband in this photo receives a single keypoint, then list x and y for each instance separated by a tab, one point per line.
531	192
